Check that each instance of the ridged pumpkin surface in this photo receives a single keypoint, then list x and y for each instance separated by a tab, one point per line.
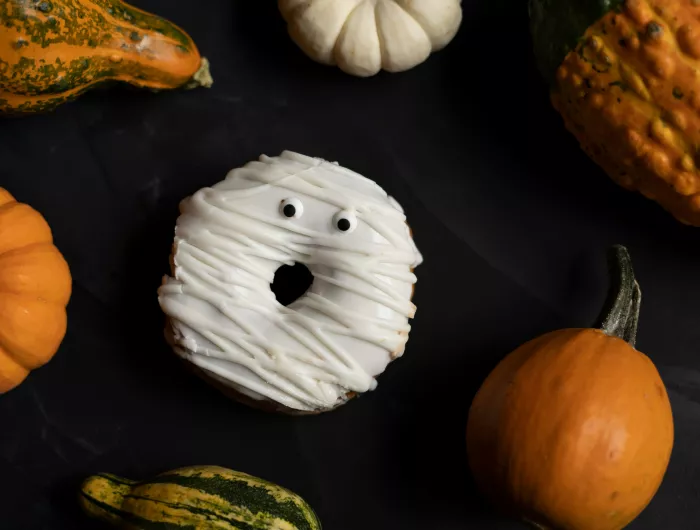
630	93
204	497
35	286
51	51
572	431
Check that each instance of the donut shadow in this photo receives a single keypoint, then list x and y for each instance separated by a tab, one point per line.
151	247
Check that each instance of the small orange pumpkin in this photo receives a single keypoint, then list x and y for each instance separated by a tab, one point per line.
573	430
35	286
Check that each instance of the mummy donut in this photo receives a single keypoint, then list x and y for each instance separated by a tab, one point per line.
332	342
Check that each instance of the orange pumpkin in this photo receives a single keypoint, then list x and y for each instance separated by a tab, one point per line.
35	286
573	430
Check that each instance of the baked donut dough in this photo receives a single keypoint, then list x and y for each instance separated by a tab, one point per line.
331	343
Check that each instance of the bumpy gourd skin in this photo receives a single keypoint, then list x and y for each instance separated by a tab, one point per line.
630	93
51	51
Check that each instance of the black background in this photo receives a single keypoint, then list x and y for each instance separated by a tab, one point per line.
512	218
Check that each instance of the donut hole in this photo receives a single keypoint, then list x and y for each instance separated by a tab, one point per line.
291	282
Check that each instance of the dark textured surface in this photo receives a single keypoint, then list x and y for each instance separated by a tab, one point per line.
512	218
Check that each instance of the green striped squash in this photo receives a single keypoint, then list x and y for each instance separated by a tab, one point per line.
193	498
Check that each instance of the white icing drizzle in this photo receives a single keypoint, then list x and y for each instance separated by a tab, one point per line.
230	240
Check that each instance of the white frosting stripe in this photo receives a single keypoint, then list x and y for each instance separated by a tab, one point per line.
230	240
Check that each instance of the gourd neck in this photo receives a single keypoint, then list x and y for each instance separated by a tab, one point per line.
102	496
620	314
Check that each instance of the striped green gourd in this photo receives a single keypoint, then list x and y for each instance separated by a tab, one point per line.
194	498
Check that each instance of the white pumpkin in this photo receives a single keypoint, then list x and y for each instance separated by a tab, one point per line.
363	37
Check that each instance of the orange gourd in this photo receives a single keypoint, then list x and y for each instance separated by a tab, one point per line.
624	77
35	286
573	430
51	51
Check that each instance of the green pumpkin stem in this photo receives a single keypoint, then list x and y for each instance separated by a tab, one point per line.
620	314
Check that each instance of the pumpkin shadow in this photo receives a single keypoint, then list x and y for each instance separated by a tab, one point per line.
63	495
503	102
432	444
483	81
273	47
274	40
501	99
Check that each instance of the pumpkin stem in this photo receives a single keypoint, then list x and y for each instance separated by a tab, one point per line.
202	77
620	314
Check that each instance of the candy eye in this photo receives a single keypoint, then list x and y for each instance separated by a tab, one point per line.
345	222
291	208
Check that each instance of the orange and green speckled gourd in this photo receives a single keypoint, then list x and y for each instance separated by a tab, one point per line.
51	51
626	79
